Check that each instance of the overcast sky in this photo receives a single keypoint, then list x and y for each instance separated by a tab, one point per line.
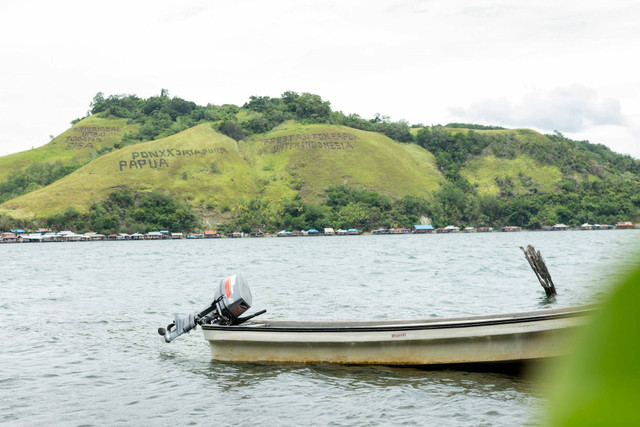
570	66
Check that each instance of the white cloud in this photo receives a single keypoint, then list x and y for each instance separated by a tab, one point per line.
409	60
621	139
576	111
569	109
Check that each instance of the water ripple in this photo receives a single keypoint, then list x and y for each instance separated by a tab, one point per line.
82	347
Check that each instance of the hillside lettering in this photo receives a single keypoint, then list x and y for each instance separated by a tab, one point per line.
85	136
172	152
78	145
312	144
142	164
156	159
323	141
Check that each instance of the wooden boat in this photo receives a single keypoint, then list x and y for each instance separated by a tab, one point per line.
513	337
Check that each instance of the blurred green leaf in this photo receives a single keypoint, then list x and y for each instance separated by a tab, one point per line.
600	384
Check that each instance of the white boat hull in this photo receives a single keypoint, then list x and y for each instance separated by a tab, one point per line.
477	339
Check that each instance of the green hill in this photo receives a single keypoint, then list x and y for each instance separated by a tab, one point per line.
310	158
215	174
511	162
292	162
198	165
79	144
521	175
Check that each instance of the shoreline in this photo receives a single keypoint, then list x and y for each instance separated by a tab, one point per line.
94	237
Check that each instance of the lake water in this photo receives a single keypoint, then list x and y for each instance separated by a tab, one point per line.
80	347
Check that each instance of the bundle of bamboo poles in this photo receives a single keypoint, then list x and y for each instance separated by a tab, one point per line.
539	267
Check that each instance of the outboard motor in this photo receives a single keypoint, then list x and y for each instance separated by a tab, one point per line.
230	300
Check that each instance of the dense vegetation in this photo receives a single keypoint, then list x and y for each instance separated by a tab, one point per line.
344	208
577	202
309	108
125	211
161	116
33	177
598	185
472	126
452	149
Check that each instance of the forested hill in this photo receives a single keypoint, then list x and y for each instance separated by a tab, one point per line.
138	164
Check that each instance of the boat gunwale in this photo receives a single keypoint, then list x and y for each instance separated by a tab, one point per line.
406	325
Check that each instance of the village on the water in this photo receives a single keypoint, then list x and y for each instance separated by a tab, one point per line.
45	235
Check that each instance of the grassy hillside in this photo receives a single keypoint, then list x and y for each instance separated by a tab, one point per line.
519	161
78	144
310	158
520	175
214	173
198	165
506	165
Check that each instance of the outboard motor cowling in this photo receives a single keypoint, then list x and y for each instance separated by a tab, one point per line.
232	298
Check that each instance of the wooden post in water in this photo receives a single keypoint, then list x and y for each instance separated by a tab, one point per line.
539	267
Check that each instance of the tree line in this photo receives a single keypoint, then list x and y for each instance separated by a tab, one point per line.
125	210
